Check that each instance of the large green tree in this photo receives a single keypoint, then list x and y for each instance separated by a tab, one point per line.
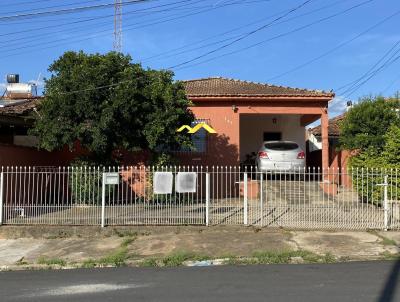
367	122
107	102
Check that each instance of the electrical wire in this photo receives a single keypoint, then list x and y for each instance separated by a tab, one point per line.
243	36
105	32
277	36
340	45
68	10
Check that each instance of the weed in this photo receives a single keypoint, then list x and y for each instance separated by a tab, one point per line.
89	263
389	256
127	241
177	258
21	261
51	261
149	262
124	233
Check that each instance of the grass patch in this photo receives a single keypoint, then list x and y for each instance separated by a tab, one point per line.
282	257
174	259
390	256
125	233
177	258
116	258
51	261
149	262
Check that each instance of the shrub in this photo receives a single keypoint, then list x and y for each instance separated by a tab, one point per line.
85	182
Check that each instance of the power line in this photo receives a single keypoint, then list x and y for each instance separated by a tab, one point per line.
242	37
165	55
372	70
340	45
68	10
53	6
86	20
86	37
391	84
277	36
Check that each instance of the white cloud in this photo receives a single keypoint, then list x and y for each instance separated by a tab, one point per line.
337	106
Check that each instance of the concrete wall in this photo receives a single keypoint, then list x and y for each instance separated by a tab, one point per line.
253	126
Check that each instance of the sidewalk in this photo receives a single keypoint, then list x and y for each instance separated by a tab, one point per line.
30	247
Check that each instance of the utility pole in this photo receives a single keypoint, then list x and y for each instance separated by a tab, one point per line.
118	26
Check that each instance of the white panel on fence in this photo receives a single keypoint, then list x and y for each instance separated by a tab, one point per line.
186	182
111	178
162	183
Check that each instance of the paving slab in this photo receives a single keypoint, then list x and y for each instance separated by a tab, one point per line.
343	244
239	242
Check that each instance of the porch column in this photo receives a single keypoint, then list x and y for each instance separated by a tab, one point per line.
324	137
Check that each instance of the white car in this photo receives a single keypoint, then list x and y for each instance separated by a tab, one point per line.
281	156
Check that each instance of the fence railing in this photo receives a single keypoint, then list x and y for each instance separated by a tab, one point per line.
304	199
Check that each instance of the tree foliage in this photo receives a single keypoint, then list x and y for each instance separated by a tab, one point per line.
107	102
372	128
365	125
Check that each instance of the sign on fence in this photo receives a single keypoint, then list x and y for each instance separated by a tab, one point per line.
186	182
162	183
111	178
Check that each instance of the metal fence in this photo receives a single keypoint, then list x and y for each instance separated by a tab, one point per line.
304	199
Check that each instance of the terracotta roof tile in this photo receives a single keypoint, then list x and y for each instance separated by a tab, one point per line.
217	86
22	107
334	126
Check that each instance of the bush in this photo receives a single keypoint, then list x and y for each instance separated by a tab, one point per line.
86	179
370	167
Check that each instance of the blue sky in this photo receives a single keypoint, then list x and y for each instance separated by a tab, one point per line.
162	34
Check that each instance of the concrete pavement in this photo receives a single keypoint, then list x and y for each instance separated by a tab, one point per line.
23	247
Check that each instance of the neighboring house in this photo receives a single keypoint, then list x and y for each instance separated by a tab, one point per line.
243	113
338	159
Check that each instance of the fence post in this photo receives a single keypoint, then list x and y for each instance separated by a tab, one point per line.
1	196
385	203
207	198
261	199
103	201
245	207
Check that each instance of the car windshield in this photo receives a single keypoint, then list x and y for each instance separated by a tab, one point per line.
281	146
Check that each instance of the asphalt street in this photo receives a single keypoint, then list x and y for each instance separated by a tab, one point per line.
358	281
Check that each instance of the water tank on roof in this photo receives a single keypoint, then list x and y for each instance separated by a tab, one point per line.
20	90
12	78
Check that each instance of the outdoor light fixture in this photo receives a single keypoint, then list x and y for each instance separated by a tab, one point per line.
274	120
234	108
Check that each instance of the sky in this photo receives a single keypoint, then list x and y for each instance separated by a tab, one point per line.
349	46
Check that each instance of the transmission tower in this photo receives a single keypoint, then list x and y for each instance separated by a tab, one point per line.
118	26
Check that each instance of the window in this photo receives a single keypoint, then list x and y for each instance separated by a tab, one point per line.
199	139
281	146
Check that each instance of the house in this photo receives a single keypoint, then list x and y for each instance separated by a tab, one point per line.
243	113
